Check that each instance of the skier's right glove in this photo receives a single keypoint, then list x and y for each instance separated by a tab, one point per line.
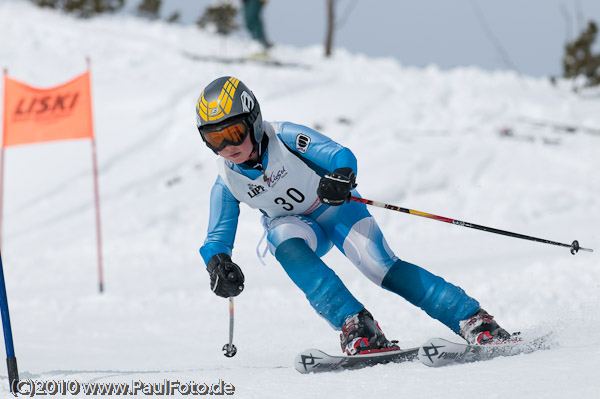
226	278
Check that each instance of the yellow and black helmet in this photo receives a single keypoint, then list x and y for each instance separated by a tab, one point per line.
227	101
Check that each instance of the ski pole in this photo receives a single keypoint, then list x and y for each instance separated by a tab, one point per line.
229	348
574	246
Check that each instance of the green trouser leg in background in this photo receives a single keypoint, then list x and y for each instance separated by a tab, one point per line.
252	10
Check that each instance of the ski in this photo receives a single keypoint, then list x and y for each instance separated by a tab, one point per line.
317	361
251	59
562	127
437	352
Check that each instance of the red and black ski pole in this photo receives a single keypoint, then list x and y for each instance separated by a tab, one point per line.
573	246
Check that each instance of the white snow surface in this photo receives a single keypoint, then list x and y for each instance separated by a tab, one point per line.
425	139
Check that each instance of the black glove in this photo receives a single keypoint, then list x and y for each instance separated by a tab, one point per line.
334	188
226	278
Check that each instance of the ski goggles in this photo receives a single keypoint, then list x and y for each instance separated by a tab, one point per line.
218	137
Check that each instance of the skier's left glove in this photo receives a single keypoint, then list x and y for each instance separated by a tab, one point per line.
226	278
334	188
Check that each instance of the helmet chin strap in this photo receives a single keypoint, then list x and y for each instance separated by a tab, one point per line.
258	148
250	156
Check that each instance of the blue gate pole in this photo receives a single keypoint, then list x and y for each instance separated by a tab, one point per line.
11	360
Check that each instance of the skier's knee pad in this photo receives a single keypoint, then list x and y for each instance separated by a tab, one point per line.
283	228
366	247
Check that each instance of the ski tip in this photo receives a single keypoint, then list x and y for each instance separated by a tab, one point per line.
436	352
307	361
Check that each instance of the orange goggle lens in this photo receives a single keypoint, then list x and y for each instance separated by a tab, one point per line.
219	139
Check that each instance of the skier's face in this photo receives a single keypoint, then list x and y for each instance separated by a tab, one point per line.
238	153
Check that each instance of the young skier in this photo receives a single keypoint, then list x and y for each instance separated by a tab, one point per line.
302	181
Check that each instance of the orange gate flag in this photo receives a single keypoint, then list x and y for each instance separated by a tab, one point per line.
33	115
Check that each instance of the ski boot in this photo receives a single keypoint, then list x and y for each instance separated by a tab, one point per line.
361	335
482	329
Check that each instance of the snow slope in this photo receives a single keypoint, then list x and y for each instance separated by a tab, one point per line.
425	139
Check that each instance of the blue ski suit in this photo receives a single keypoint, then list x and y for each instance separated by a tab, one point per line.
300	230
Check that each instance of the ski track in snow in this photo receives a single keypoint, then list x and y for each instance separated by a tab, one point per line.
425	139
